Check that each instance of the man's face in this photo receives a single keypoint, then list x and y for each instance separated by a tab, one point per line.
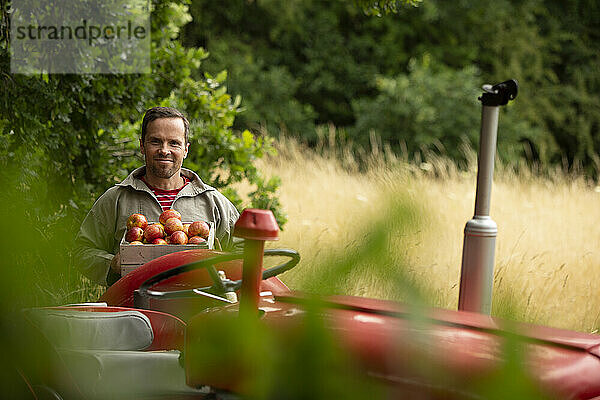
164	147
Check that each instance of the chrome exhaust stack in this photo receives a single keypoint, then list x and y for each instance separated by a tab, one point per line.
477	271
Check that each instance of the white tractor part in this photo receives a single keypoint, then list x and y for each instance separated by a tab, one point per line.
477	271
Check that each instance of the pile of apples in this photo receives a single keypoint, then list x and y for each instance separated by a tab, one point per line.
168	230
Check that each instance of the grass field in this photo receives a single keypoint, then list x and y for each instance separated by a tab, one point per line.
547	253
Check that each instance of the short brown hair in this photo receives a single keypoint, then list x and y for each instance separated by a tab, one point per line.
163	112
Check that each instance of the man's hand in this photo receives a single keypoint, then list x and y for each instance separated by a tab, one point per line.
115	264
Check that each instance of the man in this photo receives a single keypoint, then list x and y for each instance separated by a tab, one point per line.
149	190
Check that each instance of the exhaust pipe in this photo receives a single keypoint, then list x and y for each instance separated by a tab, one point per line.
477	271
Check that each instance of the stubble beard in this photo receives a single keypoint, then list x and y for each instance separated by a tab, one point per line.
162	172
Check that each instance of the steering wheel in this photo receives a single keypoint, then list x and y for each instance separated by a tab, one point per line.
220	286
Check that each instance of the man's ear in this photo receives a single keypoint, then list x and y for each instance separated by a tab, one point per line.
187	149
141	146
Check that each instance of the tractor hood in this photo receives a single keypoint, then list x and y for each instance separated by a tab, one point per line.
458	319
387	337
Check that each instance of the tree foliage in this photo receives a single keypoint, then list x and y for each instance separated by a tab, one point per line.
80	132
301	64
434	107
379	7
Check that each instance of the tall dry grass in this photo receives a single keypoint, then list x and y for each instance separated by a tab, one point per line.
547	253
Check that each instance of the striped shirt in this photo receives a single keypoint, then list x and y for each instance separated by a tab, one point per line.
166	197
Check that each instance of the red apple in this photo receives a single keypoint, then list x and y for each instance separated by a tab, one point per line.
159	241
196	240
199	228
136	242
137	220
173	225
178	237
168	214
154	231
185	229
134	234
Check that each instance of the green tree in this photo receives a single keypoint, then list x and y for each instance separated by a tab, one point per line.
73	126
305	63
67	138
434	108
296	64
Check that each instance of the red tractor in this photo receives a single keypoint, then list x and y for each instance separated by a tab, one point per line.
174	328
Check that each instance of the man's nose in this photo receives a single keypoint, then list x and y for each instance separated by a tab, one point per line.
164	148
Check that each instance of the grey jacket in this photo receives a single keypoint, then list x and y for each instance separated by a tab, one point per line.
102	229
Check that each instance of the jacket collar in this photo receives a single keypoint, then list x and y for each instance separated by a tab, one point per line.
196	185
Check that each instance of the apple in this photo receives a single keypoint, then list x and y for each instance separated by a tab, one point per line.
199	228
136	242
185	229
173	225
134	234
196	240
154	231
178	237
138	220
159	241
168	214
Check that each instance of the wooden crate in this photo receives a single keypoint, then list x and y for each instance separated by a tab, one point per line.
133	256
